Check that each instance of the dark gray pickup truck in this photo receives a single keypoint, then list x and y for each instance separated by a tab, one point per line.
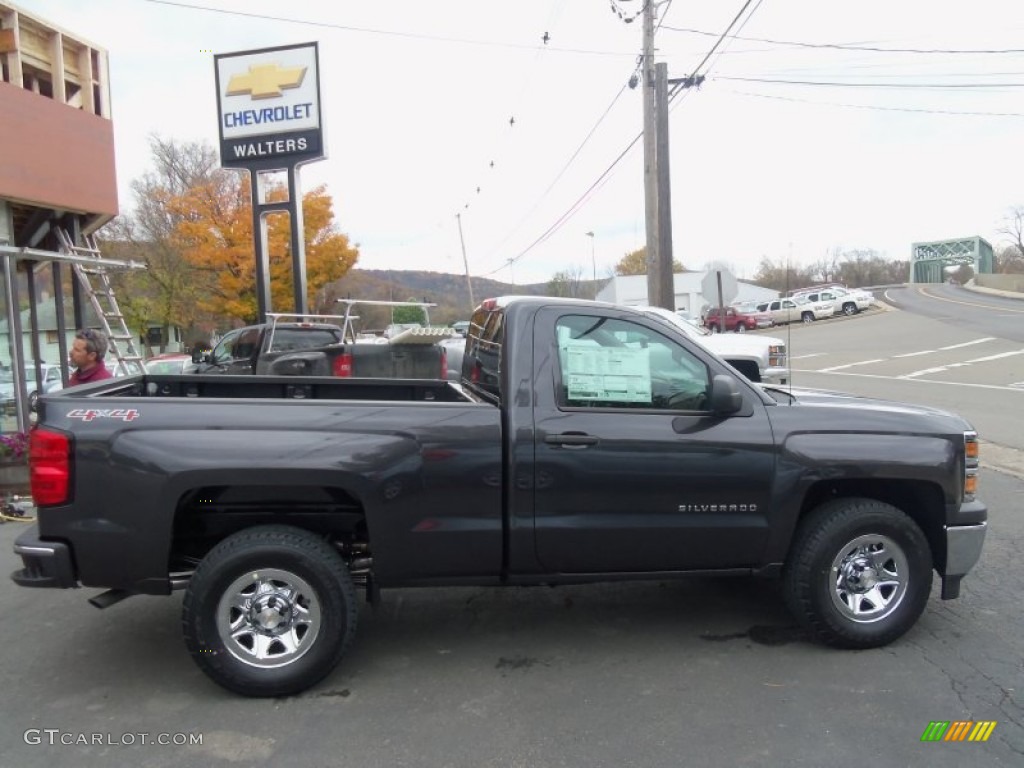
586	442
315	348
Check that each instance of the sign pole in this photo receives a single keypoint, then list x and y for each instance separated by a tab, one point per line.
259	237
298	242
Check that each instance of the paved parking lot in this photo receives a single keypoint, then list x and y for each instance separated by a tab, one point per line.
707	672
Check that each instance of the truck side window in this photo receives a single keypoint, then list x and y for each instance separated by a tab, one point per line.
237	345
481	363
608	363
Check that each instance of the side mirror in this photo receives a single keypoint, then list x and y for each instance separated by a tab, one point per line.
726	397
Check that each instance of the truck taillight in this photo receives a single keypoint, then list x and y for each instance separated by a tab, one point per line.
343	365
49	461
444	363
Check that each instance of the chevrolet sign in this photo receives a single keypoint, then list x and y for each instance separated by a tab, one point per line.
268	105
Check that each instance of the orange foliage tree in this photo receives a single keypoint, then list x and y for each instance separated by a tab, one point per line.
214	234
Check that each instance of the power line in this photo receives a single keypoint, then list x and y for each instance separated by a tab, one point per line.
854	47
561	173
387	32
720	40
572	210
872	107
836	84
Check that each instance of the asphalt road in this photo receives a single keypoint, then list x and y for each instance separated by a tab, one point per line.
707	672
971	367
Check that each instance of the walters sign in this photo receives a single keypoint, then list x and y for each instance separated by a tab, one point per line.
268	104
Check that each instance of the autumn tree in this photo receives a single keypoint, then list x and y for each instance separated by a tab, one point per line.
214	234
167	291
635	263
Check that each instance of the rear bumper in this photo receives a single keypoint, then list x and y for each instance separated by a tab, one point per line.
46	563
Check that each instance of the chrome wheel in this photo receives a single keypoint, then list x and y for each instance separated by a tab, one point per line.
869	578
268	618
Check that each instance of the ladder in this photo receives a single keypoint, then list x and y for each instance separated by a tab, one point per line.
90	268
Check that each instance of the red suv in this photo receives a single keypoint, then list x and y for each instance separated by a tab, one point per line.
736	320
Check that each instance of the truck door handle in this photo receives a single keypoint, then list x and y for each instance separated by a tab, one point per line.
572	440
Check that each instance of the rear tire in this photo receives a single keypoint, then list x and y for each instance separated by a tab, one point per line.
807	317
269	611
849	309
858	574
713	328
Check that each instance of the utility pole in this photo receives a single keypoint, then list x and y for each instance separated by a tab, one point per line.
654	277
465	261
593	259
665	294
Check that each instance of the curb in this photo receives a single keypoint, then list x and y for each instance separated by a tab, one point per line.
1002	459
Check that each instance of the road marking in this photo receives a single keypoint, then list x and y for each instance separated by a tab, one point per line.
970	303
915	354
995	357
969	343
851	365
1000	387
809	354
963	364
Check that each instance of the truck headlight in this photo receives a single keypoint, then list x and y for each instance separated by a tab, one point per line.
972	451
777	356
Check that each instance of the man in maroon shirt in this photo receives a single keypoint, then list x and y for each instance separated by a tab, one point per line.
86	355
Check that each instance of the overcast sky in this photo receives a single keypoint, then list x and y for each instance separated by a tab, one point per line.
418	98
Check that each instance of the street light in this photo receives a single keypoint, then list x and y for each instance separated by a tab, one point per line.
593	262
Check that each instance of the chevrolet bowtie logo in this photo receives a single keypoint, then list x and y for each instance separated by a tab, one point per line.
265	81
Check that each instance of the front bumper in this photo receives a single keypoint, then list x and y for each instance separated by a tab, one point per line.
963	547
46	563
775	375
963	550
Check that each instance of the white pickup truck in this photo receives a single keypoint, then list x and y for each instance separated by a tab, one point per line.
759	358
843	300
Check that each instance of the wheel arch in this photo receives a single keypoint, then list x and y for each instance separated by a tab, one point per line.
920	500
209	512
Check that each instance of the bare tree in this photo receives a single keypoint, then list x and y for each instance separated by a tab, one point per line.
1013	228
568	282
1009	260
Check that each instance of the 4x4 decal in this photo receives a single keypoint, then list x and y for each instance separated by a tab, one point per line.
89	414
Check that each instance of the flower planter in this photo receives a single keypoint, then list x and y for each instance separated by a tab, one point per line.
14	478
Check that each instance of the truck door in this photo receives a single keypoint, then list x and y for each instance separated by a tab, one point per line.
633	471
234	353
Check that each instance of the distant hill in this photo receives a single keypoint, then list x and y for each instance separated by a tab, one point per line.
450	292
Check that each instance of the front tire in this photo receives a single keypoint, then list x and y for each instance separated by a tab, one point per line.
741	328
858	574
269	611
807	317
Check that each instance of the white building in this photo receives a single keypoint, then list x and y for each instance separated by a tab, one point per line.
631	291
